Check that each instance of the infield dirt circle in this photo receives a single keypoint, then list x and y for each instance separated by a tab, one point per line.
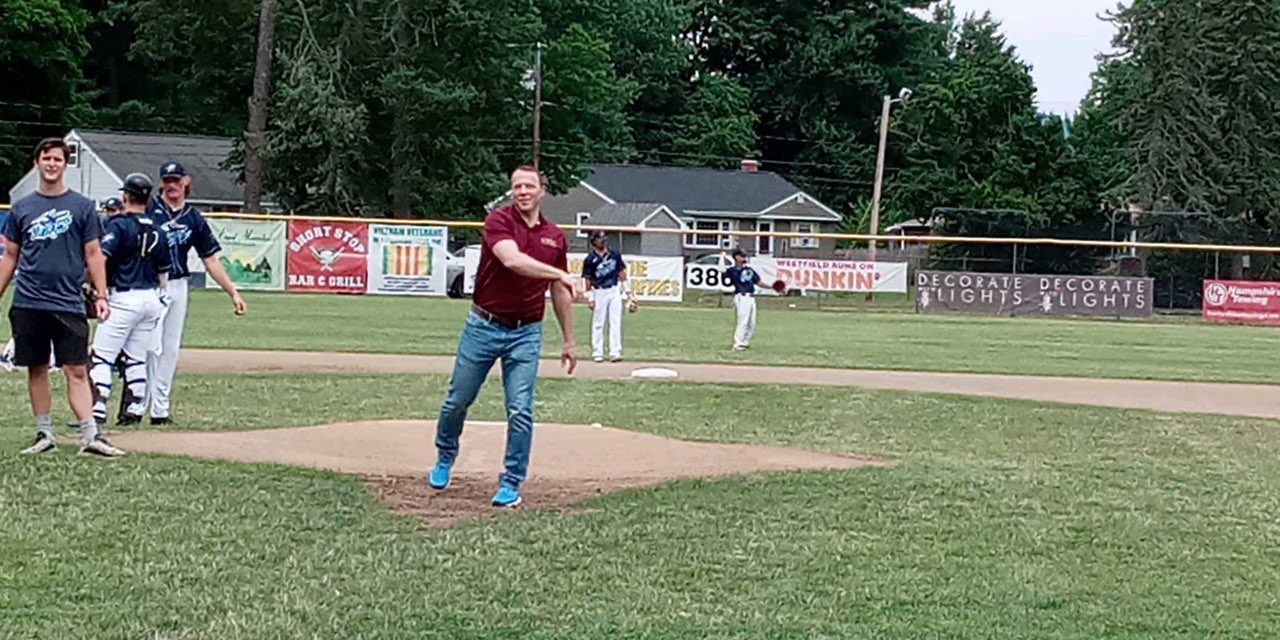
569	462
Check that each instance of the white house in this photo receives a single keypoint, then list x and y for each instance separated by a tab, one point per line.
100	160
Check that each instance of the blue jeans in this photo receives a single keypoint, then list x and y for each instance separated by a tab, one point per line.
481	344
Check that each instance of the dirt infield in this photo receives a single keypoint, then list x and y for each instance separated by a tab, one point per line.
1253	400
569	462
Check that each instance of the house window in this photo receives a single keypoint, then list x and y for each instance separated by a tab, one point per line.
582	218
709	234
73	154
764	244
804	241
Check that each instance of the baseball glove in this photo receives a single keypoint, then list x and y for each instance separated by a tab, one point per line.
779	286
632	305
90	309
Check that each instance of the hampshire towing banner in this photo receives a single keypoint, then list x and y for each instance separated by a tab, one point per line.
328	256
1033	295
407	260
252	252
652	279
1241	301
843	275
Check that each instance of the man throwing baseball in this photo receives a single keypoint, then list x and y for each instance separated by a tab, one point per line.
521	255
605	274
138	261
50	239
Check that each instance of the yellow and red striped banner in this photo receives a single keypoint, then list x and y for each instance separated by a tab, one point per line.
406	260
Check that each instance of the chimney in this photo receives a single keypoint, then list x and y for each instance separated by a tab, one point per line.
750	165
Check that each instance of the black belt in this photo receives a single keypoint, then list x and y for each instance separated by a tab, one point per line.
501	321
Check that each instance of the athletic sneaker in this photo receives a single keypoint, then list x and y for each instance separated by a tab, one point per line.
100	447
597	359
41	445
738	347
128	420
155	422
439	476
615	358
507	496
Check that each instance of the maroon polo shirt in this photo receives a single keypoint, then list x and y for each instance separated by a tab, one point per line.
503	292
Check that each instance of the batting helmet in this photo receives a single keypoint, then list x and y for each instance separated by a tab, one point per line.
138	186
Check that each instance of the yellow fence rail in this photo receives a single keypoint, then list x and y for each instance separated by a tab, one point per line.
851	237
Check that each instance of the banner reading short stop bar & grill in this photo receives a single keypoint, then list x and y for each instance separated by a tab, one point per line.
328	256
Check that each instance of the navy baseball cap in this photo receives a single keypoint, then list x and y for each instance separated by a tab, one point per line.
737	251
599	235
172	170
112	203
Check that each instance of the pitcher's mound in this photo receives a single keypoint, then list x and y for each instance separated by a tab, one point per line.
569	462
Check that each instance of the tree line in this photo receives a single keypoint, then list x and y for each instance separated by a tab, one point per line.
417	107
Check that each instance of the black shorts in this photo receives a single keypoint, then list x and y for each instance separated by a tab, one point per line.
36	332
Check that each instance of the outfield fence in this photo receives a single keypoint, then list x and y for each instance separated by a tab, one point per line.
413	257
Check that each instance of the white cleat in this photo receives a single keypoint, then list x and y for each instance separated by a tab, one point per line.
101	448
41	445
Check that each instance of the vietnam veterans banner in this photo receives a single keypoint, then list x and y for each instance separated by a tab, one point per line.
1241	301
1033	295
843	275
652	279
407	260
328	256
252	252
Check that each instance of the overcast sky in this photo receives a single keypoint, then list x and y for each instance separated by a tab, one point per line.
1058	38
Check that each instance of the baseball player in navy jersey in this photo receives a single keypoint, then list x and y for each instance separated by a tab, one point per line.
51	238
744	280
606	275
138	261
186	229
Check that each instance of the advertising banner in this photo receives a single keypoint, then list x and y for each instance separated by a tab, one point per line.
407	260
843	275
1033	295
652	279
1241	301
328	256
252	252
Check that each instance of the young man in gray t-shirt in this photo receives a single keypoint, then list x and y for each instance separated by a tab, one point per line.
50	239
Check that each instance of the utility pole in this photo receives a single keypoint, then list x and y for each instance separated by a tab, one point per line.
537	105
878	188
879	183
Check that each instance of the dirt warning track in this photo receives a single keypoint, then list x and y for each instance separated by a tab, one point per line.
1253	400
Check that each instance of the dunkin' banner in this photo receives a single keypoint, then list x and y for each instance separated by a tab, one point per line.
1241	301
407	260
843	275
1032	295
652	279
252	252
328	256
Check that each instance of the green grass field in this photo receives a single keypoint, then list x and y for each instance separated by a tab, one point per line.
1173	350
1003	520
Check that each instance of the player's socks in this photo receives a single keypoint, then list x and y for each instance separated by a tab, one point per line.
44	425
88	430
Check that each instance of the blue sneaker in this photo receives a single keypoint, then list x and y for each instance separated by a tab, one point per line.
507	496
439	476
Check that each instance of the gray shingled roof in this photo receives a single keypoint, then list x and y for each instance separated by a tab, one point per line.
202	156
623	214
685	189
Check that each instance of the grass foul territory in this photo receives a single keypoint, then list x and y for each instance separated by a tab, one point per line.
1002	520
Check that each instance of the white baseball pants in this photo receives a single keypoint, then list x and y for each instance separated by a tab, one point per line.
162	361
744	307
130	330
608	308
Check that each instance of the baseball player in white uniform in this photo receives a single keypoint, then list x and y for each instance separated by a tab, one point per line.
186	228
606	276
138	261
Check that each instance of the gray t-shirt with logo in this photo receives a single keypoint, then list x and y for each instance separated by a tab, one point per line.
50	233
